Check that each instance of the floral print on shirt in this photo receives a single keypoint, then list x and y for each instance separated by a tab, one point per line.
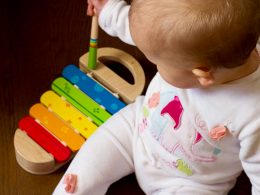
168	123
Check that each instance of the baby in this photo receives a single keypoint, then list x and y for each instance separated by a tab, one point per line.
197	127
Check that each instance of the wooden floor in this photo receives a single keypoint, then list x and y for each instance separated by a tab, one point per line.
39	38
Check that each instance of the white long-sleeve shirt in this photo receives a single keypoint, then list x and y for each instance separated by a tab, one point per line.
234	106
180	126
114	20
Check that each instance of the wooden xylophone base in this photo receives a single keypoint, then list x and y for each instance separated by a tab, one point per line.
71	111
32	157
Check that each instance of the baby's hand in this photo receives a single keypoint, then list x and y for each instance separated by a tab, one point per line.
95	7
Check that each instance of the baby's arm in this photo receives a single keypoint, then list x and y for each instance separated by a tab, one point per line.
104	158
250	158
113	17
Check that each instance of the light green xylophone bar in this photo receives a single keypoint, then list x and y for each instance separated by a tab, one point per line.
80	100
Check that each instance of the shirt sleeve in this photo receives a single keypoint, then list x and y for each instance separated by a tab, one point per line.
250	157
114	20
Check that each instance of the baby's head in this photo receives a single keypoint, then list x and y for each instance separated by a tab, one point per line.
203	34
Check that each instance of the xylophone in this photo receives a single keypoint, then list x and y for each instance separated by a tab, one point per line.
77	104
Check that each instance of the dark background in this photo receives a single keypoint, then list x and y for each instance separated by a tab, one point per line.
38	38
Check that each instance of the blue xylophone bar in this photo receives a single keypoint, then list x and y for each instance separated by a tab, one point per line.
93	89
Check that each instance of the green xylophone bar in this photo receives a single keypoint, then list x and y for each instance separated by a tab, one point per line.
80	100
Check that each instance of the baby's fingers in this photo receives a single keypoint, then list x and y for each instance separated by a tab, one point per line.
90	10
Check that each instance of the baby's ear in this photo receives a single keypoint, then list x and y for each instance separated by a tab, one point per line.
204	76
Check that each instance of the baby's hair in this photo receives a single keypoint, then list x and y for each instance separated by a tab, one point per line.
217	33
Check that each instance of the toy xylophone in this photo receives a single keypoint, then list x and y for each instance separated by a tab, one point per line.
72	110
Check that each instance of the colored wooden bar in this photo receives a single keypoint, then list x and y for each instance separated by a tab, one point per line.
57	127
68	113
93	89
80	100
41	136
